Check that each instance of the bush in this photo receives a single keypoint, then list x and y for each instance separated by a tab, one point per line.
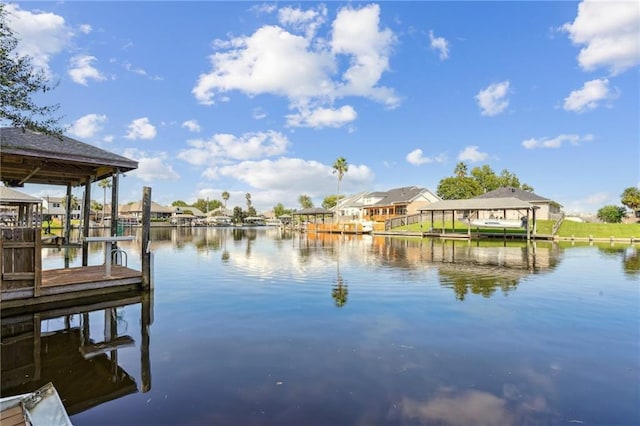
611	214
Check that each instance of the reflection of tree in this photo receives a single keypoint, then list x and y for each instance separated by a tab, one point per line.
630	258
340	291
485	286
631	262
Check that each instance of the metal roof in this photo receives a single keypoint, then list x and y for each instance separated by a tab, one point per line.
506	203
31	157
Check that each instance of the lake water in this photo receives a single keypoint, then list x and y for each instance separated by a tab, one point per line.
264	327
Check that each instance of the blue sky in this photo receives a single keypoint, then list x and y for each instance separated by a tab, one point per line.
263	97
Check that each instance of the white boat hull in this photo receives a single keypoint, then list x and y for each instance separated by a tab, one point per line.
497	223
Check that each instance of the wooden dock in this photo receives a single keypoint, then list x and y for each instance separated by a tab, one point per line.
71	283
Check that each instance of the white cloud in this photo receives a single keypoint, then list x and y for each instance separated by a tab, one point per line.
108	139
305	69
590	203
141	129
417	158
140	71
356	33
556	142
493	100
40	35
440	44
85	28
323	117
225	147
88	125
259	113
303	21
192	126
589	96
81	69
311	177
609	31
471	153
151	168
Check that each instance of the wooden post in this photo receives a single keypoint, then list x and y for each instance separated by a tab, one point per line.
67	218
146	229
86	214
37	346
114	204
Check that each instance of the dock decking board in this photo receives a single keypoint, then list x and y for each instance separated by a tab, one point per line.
74	283
12	416
85	274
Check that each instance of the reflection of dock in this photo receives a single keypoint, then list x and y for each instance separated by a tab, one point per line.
84	369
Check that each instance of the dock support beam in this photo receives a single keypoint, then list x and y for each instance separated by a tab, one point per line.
86	217
146	230
114	204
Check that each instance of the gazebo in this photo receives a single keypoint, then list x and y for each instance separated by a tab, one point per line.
36	158
314	212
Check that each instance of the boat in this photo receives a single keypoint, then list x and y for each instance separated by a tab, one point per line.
253	221
367	226
42	407
498	223
219	221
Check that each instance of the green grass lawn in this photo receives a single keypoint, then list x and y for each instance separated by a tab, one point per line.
599	230
567	229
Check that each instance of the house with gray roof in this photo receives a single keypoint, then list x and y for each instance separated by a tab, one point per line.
546	209
380	206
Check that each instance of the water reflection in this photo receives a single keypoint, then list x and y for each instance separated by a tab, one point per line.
61	346
484	269
342	329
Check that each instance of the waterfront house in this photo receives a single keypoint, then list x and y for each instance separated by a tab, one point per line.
380	206
350	207
134	210
55	207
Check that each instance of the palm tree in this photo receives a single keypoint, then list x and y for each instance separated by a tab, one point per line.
104	184
225	197
248	197
461	169
340	166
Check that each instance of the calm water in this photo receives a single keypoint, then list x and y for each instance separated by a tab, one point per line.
259	327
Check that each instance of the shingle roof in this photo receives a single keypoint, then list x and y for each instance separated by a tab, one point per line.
30	157
508	191
136	206
399	195
10	196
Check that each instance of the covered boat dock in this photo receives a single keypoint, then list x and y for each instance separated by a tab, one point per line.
481	213
34	158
